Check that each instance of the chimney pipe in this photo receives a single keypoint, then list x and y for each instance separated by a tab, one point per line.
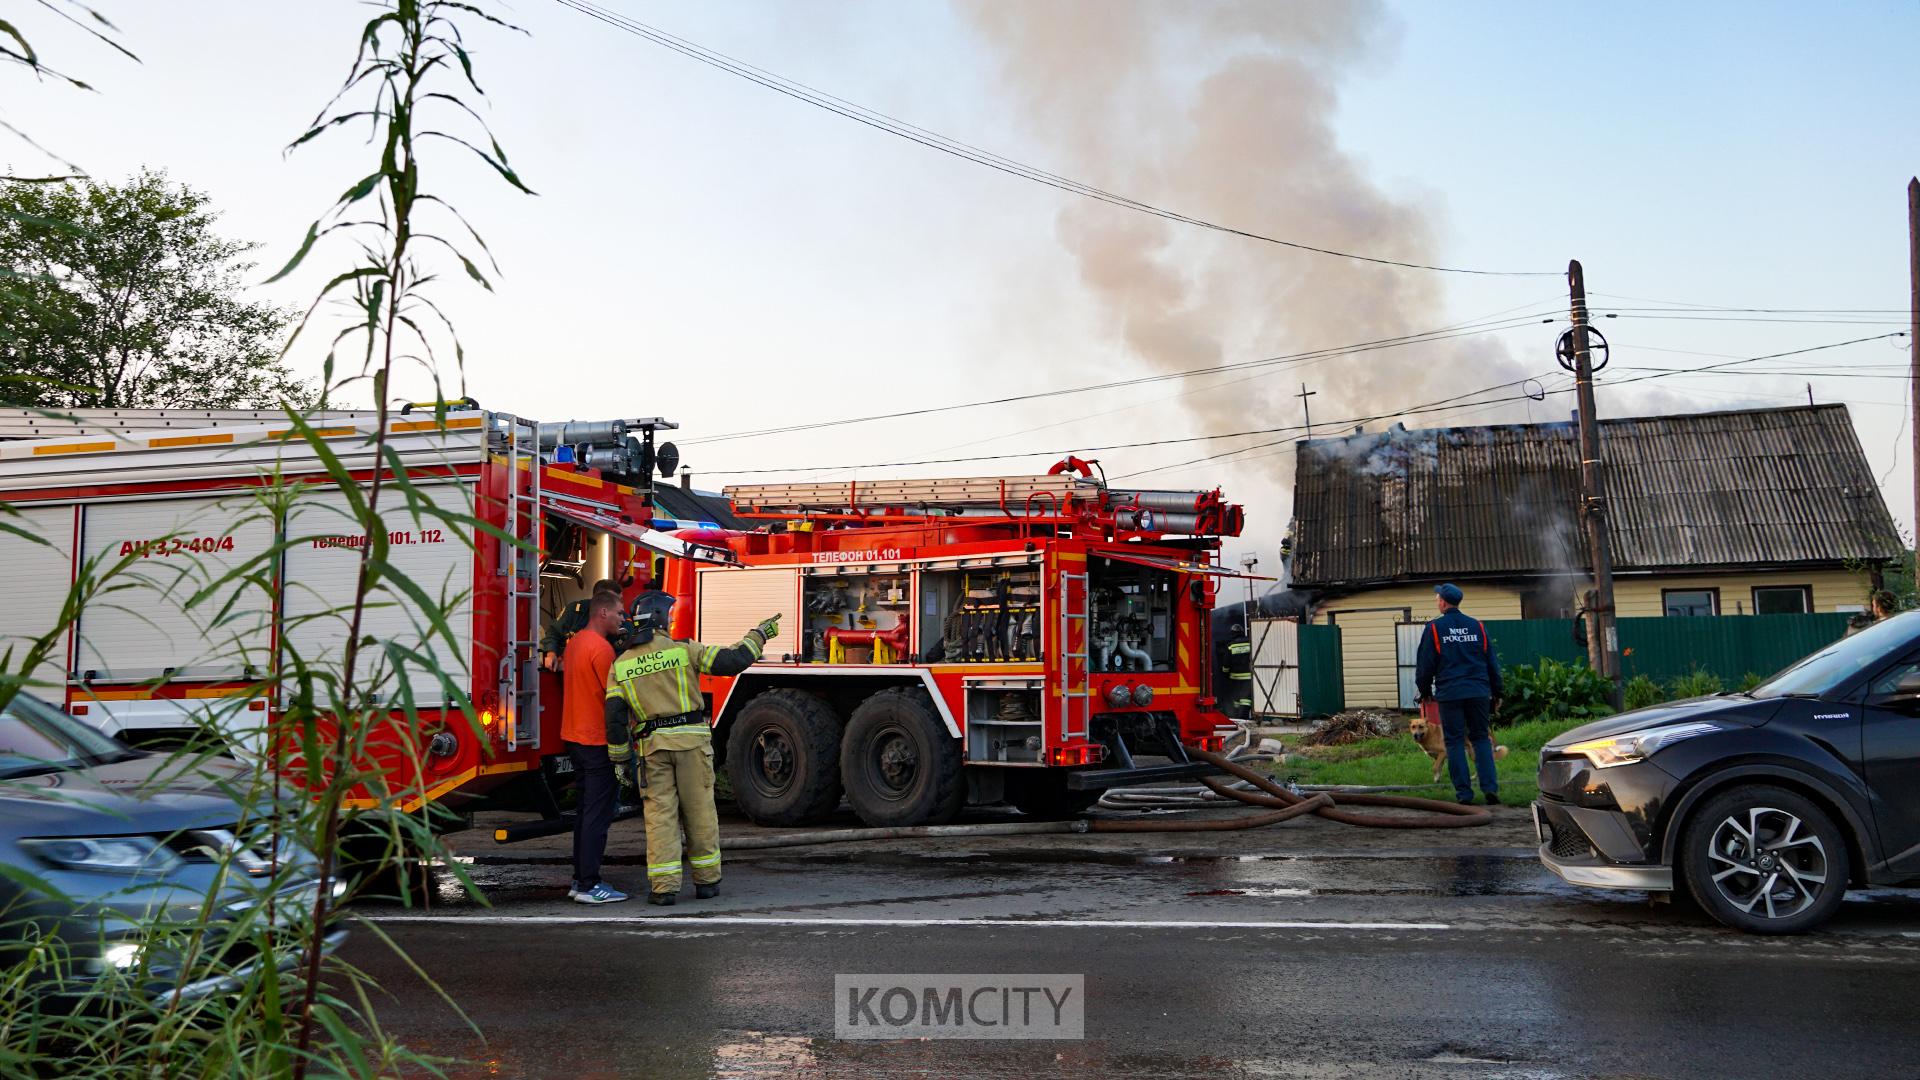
686	479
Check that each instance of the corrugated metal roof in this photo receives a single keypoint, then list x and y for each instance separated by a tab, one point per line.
1703	491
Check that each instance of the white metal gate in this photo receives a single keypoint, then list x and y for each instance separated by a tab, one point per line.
1407	653
1276	667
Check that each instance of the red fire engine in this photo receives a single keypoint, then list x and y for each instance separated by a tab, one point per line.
180	492
1027	639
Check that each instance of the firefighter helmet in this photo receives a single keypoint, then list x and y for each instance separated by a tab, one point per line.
650	609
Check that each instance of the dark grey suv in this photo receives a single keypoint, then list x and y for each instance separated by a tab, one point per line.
1764	806
104	848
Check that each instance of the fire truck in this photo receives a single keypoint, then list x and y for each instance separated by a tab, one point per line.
176	499
1025	639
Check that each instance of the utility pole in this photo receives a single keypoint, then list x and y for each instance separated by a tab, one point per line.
1603	641
1913	347
1306	408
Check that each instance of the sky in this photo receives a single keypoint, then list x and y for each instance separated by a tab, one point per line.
704	249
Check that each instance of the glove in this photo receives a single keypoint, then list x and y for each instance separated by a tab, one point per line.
769	628
624	769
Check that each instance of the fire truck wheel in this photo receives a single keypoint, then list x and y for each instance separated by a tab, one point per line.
900	765
783	758
1045	795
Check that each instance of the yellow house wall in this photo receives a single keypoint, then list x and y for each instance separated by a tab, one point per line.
1369	657
1833	590
1370	660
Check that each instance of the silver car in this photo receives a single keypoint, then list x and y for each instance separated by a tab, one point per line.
109	856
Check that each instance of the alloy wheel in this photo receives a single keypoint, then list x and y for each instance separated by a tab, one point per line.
1767	862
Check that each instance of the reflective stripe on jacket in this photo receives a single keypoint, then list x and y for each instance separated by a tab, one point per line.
662	678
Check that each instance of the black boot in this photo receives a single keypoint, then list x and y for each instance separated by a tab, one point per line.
661	899
706	892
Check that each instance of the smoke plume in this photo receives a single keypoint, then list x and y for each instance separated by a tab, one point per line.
1224	111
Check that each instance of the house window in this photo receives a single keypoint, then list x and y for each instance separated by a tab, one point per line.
1690	601
1782	599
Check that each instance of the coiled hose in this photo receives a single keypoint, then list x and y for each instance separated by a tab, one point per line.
1254	789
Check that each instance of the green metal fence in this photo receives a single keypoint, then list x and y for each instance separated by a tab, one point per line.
1323	685
1730	646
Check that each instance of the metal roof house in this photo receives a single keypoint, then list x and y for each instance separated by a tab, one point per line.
1722	513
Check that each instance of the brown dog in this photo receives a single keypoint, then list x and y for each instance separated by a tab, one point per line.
1430	738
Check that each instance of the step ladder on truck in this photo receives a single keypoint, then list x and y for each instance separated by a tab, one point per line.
181	491
1031	640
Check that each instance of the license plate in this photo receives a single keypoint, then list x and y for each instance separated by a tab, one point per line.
1539	826
563	764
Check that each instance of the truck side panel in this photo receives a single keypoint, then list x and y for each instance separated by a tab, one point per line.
323	562
146	626
36	577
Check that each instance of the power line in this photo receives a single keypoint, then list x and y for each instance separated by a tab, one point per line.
1757	359
1691	317
1310	356
1761	310
1455	403
933	140
1440	405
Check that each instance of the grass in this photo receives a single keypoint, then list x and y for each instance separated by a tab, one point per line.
1397	760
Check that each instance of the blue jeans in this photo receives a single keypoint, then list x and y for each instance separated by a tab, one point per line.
1462	722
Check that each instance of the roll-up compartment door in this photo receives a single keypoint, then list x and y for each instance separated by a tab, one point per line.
150	618
322	567
35	572
734	601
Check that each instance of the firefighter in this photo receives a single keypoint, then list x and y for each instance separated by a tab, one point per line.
1457	667
653	698
572	619
1236	663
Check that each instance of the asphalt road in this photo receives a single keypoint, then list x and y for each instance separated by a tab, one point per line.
1402	962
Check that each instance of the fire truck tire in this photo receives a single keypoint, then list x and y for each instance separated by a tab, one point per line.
900	765
783	758
1045	795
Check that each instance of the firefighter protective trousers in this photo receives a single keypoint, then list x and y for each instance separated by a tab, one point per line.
679	789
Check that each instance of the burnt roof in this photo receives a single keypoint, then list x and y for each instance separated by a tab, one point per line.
1716	490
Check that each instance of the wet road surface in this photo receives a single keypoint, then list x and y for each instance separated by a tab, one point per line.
1397	962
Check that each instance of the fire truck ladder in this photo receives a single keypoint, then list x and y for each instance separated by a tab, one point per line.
519	678
1071	692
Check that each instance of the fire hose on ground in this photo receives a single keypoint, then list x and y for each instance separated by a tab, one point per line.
1279	802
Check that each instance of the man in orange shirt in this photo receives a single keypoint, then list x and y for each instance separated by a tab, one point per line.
583	728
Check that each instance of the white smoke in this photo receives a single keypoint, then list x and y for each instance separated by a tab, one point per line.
1224	111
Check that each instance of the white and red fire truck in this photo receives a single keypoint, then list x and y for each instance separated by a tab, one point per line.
1027	639
181	492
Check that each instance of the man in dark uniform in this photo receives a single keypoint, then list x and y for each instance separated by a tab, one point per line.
1458	668
572	619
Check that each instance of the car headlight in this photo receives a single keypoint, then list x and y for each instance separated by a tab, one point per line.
112	854
121	955
1636	745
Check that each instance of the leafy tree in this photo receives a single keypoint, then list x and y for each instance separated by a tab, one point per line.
124	296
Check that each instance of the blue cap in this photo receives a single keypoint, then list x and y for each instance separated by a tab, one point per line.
1450	593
